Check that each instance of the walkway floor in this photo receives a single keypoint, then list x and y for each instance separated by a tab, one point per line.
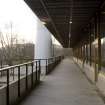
66	85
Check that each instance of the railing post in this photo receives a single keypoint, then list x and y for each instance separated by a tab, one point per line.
18	81
32	75
39	72
8	87
36	72
13	74
99	41
46	66
26	77
90	39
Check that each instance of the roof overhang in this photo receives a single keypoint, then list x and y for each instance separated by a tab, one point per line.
65	18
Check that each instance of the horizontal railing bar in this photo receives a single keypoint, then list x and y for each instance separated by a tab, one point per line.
38	59
34	60
10	67
35	69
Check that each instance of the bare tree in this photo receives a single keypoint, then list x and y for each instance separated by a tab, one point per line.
12	51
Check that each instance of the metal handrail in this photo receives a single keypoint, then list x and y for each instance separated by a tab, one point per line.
10	67
37	71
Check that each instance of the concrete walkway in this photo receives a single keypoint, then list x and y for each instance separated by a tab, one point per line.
66	85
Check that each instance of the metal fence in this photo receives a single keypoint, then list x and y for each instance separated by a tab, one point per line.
30	69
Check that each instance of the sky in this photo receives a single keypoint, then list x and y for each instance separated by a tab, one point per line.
16	15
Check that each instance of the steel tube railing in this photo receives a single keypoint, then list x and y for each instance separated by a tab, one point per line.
23	71
32	75
18	81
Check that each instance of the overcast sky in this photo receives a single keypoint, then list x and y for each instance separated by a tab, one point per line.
23	20
17	13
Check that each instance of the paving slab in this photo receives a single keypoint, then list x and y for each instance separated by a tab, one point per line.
66	85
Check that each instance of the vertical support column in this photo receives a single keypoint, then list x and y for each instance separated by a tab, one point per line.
43	43
81	52
99	41
84	58
77	53
86	53
95	56
90	42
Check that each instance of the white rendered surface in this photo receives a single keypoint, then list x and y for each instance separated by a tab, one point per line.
43	43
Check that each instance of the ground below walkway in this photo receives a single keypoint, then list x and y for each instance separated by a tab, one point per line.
66	85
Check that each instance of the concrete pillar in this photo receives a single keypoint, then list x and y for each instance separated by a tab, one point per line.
43	43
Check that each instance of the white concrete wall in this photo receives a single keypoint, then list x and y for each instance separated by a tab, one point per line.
90	72
43	43
87	69
101	82
58	50
67	52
